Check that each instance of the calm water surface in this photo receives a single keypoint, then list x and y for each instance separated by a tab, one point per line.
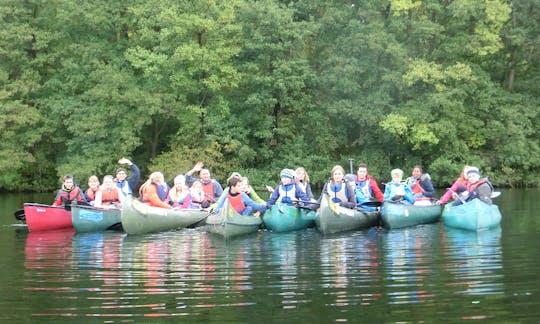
427	273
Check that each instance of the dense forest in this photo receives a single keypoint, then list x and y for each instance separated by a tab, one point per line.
258	85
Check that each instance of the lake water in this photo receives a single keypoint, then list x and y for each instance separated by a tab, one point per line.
420	274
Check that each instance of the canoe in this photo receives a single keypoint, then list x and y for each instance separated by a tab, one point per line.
40	217
94	219
228	223
474	215
139	218
332	218
284	218
398	215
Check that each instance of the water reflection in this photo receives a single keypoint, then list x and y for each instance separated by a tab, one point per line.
409	255
474	260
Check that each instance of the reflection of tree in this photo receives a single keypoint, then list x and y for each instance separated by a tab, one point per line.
474	260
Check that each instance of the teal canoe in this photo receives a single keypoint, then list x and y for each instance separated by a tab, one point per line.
474	215
285	218
94	219
228	223
139	218
398	215
332	218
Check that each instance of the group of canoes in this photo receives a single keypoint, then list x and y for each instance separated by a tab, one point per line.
287	210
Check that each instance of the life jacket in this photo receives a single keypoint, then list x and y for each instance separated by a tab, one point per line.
66	197
416	188
110	197
286	193
178	196
472	188
123	186
395	189
302	186
162	192
363	189
337	193
208	189
236	202
91	194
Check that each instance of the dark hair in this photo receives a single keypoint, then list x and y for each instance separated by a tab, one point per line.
119	170
419	167
67	177
362	165
233	181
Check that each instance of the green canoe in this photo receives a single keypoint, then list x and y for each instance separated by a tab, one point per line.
398	215
284	218
94	219
229	223
332	218
139	218
474	215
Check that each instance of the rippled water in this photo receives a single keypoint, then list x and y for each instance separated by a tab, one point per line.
425	273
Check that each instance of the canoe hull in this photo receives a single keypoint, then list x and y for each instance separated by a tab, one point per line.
94	219
285	218
334	219
398	215
139	218
228	223
474	215
40	217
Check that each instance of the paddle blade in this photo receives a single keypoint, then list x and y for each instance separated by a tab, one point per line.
19	215
495	194
371	204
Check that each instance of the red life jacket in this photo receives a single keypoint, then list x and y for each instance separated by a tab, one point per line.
416	189
91	194
236	202
208	189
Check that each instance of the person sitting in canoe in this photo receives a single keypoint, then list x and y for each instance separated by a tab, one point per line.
366	187
302	179
93	188
476	188
248	190
338	190
109	195
197	196
421	186
211	187
287	191
179	195
238	199
154	191
70	193
127	185
459	185
396	191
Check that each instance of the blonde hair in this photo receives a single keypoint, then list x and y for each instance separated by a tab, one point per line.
155	177
93	178
336	168
306	175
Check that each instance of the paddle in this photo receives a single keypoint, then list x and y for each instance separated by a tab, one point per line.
495	194
310	205
19	215
458	196
371	204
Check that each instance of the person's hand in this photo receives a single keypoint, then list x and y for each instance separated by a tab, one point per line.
270	189
198	167
124	161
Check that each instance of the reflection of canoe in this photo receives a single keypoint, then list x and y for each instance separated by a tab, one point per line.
474	215
139	218
229	223
283	218
332	218
398	215
48	249
93	219
41	217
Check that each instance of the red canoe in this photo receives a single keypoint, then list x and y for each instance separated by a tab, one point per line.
41	217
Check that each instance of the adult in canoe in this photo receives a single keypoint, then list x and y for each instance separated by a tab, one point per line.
127	185
154	191
288	190
339	191
211	187
397	191
69	193
238	199
421	185
366	187
476	188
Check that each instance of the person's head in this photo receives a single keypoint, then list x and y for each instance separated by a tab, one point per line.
205	175
337	173
287	176
121	174
234	175
245	184
179	182
196	186
301	174
235	185
473	174
417	171
362	171
68	181
397	175
157	178
464	171
108	181
93	182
